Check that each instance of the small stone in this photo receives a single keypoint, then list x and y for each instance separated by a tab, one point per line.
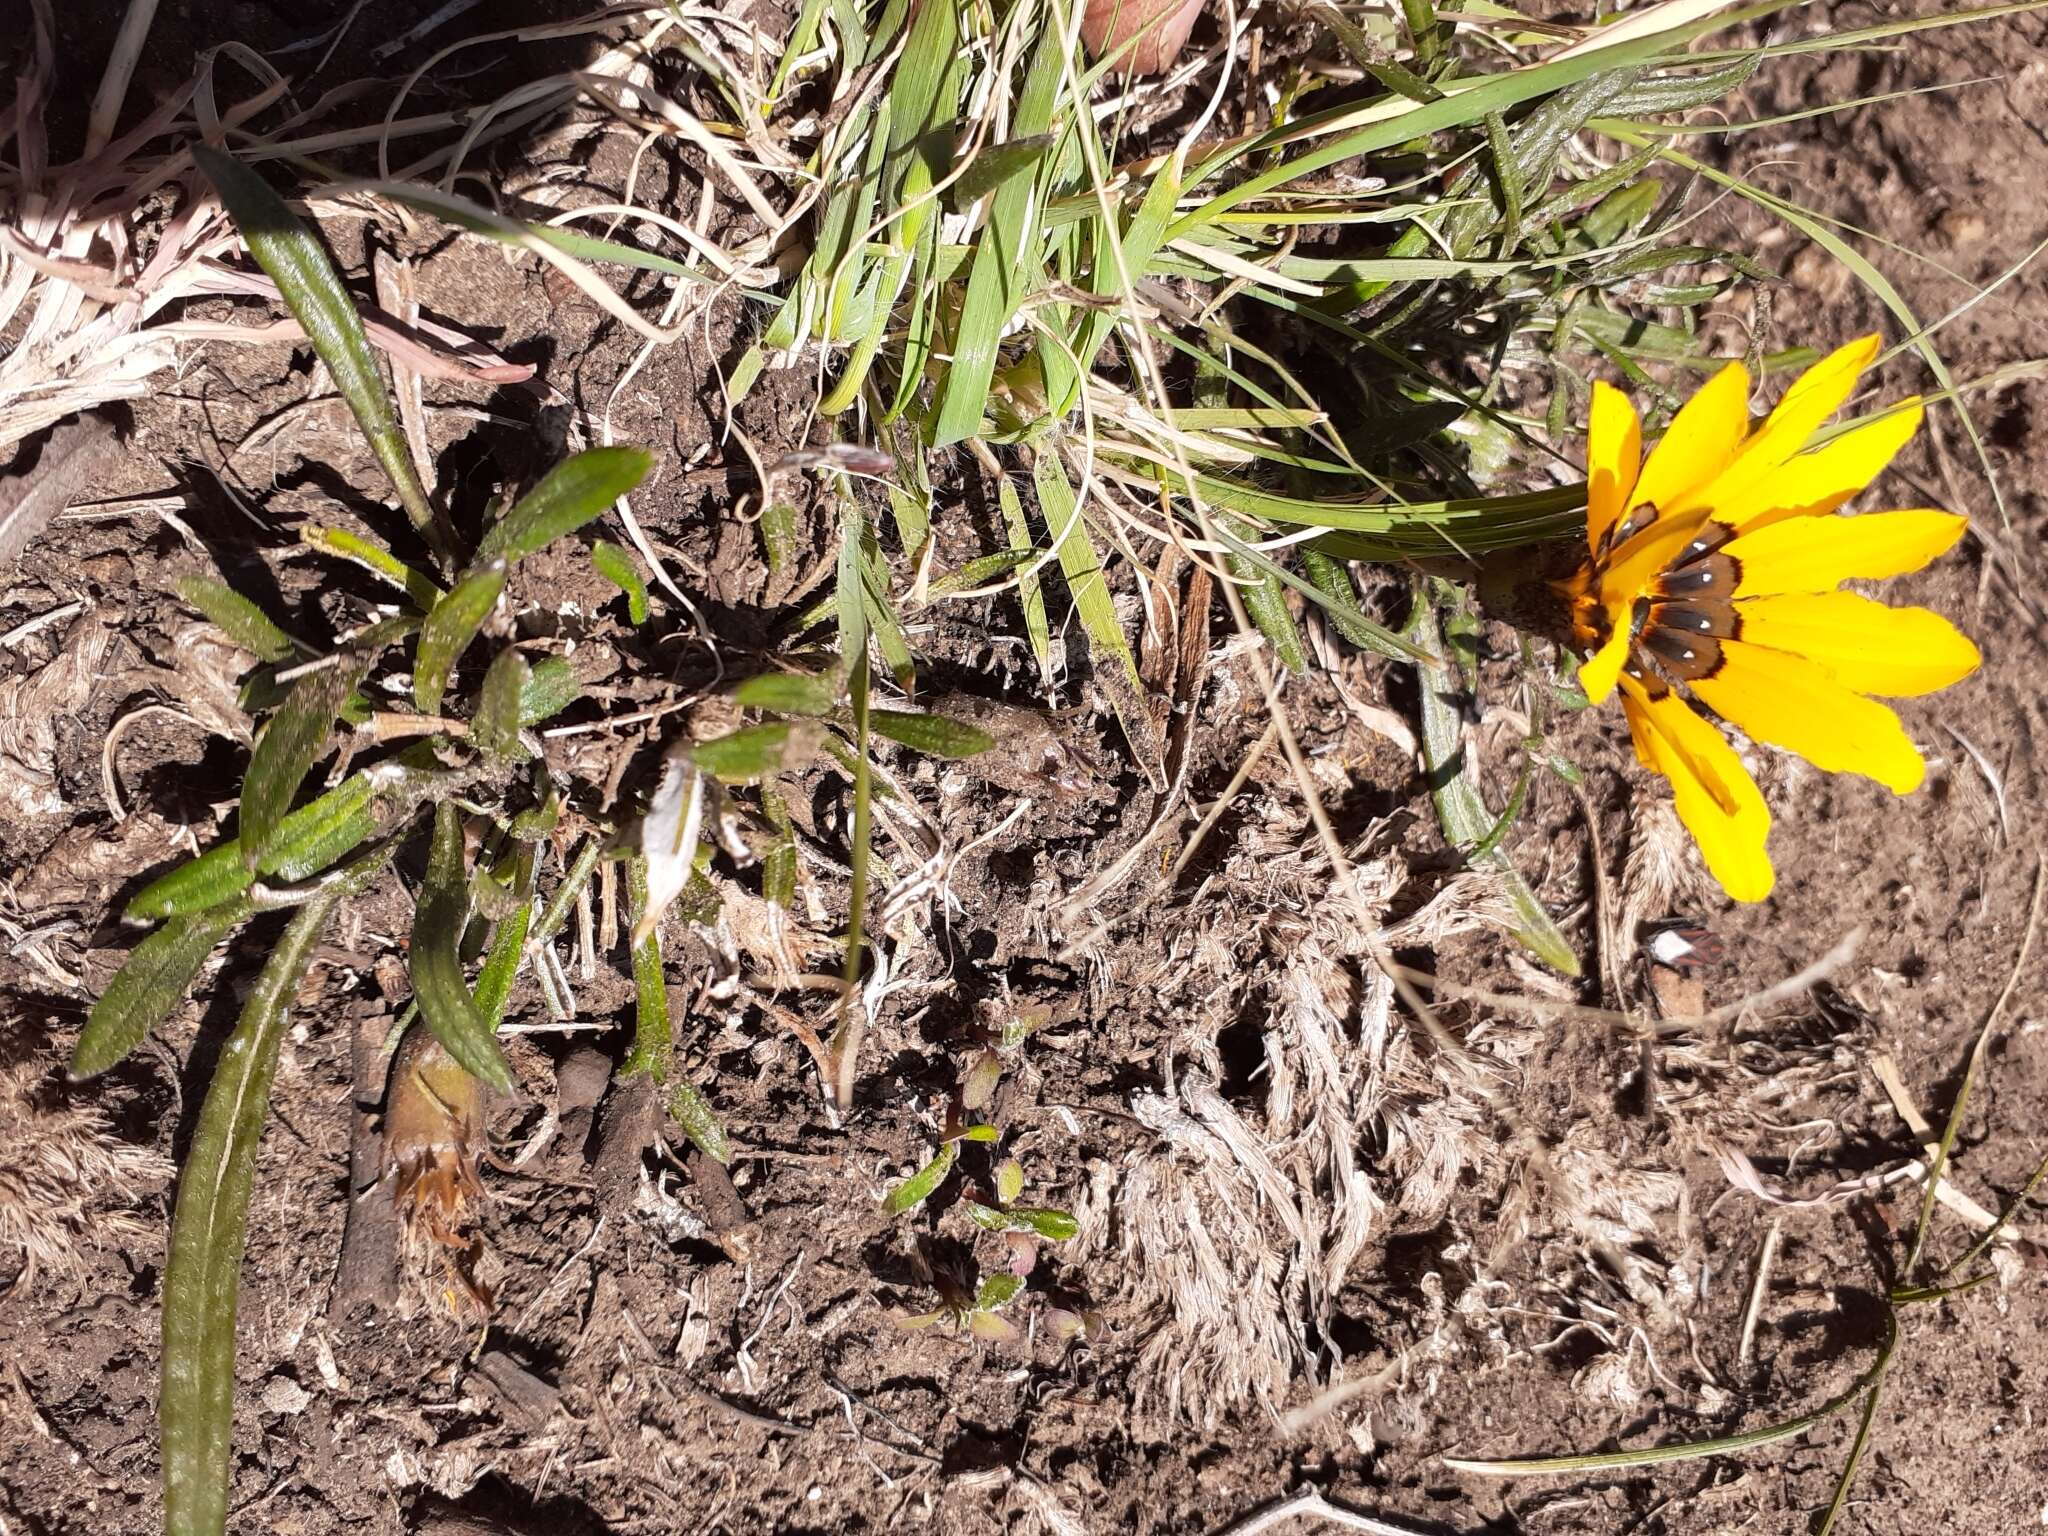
1962	226
283	1395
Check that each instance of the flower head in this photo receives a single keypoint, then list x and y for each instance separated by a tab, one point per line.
1714	568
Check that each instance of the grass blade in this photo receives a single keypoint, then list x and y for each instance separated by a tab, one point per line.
208	1233
297	262
451	1013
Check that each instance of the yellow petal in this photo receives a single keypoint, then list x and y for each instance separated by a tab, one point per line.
1810	484
1713	795
1699	443
1599	670
1614	452
1790	702
1814	396
1863	645
1818	554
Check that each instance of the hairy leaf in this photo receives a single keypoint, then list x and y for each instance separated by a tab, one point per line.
152	982
451	1013
298	264
570	495
236	617
203	1273
932	734
450	627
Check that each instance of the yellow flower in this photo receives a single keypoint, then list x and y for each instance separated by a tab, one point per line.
1714	566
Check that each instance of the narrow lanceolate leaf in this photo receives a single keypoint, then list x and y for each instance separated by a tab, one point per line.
699	1121
203	1273
451	1013
652	1041
617	567
236	617
916	1189
755	751
552	688
298	264
495	730
306	842
1055	1226
933	734
573	492
501	964
1467	823
288	748
450	627
787	693
155	979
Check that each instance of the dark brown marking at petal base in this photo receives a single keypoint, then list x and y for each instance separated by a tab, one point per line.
1707	576
1714	617
1690	657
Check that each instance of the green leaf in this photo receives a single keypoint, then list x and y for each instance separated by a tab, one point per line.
980	571
1454	781
1055	1225
617	567
236	617
501	964
916	1189
693	1112
290	744
1029	593
652	1037
151	982
375	558
451	1013
1265	603
202	1275
1001	163
450	627
788	693
298	264
551	688
1009	1181
996	1290
573	492
306	842
932	734
217	875
778	863
756	751
495	730
976	1133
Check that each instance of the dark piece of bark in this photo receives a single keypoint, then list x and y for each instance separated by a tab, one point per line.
626	1128
75	451
580	1082
367	1276
528	1397
725	1212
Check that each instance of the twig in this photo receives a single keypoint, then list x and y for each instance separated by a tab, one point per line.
1764	1261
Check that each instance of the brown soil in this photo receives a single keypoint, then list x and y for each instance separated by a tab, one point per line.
1545	1259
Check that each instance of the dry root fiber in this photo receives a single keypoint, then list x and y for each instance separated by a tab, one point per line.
1241	1226
66	1180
